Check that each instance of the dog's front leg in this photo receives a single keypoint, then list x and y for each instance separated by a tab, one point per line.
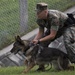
29	67
26	62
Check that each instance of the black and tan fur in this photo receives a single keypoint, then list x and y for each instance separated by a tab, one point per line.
37	55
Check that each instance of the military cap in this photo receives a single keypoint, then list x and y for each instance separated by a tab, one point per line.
41	6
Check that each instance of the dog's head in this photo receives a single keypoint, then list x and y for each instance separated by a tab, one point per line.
19	45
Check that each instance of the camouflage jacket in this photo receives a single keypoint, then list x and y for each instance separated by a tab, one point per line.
55	20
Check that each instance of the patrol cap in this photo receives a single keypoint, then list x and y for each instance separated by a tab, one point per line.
41	6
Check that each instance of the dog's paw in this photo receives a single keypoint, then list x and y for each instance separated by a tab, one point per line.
71	68
24	72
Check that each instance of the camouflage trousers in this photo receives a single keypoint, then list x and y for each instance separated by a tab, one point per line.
69	41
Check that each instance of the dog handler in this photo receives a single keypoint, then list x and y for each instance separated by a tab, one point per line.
56	24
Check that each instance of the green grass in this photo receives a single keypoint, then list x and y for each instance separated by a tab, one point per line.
18	71
10	17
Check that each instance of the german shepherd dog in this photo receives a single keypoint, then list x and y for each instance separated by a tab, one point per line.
37	55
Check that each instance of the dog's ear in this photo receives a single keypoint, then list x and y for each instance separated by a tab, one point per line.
18	39
15	38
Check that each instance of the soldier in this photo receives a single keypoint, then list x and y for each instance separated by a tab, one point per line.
56	24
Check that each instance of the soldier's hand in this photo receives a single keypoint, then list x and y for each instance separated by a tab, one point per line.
35	41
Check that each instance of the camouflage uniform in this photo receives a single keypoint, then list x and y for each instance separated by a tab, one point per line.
57	21
69	40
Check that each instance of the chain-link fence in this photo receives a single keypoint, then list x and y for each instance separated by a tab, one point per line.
11	17
9	21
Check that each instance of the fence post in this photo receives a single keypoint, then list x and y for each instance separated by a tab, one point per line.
23	15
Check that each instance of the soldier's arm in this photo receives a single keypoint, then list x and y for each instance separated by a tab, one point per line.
53	30
39	34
